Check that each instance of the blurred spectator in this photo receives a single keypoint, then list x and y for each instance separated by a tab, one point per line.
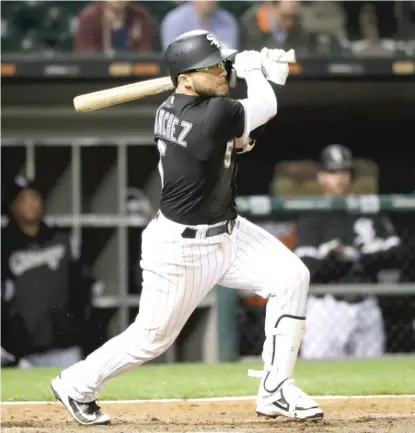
114	26
371	42
200	15
36	26
45	292
324	17
382	19
344	248
273	24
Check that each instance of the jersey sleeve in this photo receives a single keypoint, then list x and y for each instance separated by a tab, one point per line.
225	119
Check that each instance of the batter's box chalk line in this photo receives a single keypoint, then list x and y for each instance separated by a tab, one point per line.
216	399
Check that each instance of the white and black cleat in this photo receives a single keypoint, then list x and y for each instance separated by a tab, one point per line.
84	413
291	402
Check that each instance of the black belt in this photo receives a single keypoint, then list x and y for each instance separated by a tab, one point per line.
351	299
189	233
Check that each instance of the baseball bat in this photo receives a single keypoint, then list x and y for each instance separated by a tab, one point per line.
131	92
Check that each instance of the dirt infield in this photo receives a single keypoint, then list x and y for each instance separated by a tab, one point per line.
371	415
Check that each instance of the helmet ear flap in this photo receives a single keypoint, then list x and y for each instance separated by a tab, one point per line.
231	73
232	78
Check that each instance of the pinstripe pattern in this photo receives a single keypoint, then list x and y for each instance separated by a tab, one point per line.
177	274
268	267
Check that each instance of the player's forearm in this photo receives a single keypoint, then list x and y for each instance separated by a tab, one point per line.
261	103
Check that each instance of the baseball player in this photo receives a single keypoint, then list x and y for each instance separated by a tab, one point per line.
344	248
197	240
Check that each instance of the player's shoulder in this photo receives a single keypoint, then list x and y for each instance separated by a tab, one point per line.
223	107
223	102
224	117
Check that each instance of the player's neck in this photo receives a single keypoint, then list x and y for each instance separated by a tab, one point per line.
182	90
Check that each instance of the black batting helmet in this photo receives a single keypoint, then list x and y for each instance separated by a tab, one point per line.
196	50
337	157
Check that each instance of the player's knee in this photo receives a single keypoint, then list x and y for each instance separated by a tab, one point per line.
293	279
299	282
298	276
303	275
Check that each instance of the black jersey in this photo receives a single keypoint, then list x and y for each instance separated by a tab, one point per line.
368	243
195	138
48	295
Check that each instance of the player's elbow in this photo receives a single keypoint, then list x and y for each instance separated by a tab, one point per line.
266	102
267	98
261	103
259	110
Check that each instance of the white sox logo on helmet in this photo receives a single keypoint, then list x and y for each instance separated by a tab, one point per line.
213	40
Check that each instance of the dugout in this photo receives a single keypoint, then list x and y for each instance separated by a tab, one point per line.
365	104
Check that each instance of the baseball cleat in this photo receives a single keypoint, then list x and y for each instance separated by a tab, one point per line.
85	413
291	402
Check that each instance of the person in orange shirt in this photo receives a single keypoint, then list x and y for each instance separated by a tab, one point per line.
273	24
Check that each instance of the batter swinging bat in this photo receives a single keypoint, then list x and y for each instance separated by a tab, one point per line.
130	92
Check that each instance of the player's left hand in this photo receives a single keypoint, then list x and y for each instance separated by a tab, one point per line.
271	68
247	61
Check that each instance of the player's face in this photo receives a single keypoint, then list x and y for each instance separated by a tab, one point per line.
28	206
335	182
211	81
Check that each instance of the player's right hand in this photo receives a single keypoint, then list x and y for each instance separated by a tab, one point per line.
271	67
247	61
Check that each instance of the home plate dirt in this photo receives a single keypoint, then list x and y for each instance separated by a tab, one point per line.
369	415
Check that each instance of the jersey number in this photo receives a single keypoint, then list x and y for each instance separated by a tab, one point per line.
228	154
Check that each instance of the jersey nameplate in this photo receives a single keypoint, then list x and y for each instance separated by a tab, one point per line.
168	126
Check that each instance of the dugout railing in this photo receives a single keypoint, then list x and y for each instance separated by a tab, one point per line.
86	182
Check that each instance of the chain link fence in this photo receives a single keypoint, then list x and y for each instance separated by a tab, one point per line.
360	319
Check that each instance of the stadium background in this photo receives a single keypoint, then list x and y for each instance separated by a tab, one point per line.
98	170
98	173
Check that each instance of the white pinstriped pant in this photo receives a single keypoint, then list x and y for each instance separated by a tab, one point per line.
177	274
